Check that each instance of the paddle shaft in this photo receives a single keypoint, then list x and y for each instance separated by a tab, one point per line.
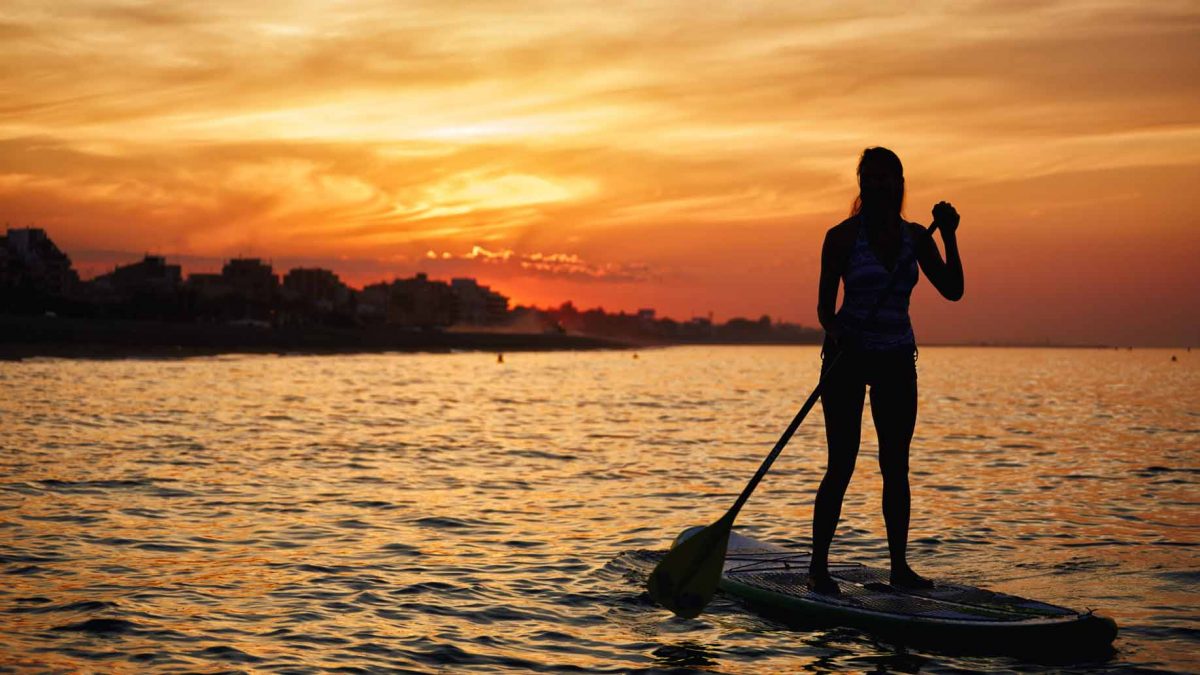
812	400
783	440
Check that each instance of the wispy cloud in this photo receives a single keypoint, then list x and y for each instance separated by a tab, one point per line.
568	265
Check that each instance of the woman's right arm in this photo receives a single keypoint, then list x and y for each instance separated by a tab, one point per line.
945	275
832	260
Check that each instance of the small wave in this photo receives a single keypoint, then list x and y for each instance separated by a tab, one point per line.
1155	470
399	549
9	558
171	492
93	486
1191	577
947	488
30	570
448	654
542	454
1182	633
369	598
306	638
66	518
80	606
320	569
144	513
374	505
448	523
226	653
100	627
355	524
165	547
522	543
968	437
685	655
427	587
502	485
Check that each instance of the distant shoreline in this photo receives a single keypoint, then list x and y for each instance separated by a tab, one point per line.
972	345
24	337
28	337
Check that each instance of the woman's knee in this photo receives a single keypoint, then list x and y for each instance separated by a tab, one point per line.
838	472
894	469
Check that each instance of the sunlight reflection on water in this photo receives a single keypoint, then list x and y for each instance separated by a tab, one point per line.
445	511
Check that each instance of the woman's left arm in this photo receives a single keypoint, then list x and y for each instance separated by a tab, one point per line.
945	275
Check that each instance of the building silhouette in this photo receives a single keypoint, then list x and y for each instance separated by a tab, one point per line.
33	264
246	289
251	279
320	288
152	275
416	302
477	305
315	295
146	289
207	285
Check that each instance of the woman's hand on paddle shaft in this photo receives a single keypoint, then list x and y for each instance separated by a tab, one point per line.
945	218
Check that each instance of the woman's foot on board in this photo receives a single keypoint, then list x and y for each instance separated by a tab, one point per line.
905	577
821	582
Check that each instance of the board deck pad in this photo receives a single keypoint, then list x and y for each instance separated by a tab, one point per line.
777	569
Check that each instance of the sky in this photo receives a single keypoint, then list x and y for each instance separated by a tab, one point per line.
681	156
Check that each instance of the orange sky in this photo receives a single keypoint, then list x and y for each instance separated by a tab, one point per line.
686	156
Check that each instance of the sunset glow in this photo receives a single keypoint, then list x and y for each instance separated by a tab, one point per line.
681	156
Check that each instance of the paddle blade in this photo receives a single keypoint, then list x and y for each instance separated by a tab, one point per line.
686	578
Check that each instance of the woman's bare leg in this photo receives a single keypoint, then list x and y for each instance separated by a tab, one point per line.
894	410
842	403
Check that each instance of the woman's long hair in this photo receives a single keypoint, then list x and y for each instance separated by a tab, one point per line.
888	159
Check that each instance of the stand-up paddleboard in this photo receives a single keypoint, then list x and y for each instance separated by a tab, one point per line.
772	580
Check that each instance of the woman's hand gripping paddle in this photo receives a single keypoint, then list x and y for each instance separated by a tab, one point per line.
686	579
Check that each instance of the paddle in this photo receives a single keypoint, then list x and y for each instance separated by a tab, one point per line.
685	580
687	576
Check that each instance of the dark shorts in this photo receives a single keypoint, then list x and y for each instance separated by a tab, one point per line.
871	368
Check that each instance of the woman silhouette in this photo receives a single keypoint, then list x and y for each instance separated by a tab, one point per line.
874	253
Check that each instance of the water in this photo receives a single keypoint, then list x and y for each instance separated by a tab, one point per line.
446	512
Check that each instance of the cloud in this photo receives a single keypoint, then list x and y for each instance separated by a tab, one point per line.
295	197
565	265
387	72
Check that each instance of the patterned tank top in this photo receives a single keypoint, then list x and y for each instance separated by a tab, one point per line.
864	280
